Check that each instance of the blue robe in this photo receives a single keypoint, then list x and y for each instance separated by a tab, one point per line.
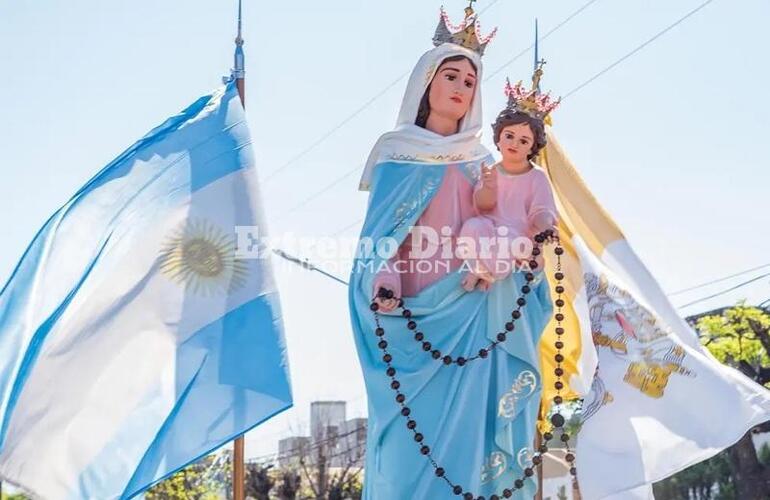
479	419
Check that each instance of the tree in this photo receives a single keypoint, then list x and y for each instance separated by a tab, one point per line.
290	484
205	479
258	481
740	337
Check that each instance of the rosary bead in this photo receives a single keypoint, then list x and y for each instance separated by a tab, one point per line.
539	238
411	424
526	289
559	303
559	251
559	317
494	497
559	276
543	448
461	361
411	325
419	336
400	398
521	301
518	483
405	411
559	289
418	437
559	330
509	326
374	306
407	313
389	294
457	490
379	331
529	277
558	400
501	337
537	460
468	496
573	471
440	472
507	493
395	385
559	386
559	358
387	358
565	437
533	264
547	436
559	344
424	450
426	346
570	457
535	251
391	371
528	472
516	314
447	360
436	354
382	344
558	372
483	353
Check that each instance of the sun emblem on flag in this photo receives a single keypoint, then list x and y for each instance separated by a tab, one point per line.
201	256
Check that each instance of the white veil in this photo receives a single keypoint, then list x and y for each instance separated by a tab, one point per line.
411	143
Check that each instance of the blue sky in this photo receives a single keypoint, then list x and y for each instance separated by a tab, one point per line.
672	141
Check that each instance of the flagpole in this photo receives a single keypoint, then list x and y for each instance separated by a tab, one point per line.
238	73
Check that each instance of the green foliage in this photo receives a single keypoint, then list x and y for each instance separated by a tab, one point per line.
699	482
731	338
202	480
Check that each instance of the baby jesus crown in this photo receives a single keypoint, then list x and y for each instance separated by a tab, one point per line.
531	102
465	35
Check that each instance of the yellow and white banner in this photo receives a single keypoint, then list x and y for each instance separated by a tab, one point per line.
655	400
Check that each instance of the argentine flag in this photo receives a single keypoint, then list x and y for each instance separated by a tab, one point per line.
142	327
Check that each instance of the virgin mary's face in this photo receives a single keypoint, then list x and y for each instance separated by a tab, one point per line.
452	89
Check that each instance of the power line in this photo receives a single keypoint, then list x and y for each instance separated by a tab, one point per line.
381	93
739	285
320	192
349	118
718	280
600	73
637	49
549	33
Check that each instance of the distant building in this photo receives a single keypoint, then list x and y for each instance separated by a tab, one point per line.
341	442
291	449
351	445
324	415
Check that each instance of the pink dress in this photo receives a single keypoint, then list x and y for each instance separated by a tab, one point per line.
450	207
520	198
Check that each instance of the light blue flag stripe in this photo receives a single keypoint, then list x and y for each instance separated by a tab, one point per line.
124	357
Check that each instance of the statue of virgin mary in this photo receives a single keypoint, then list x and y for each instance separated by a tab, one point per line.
447	414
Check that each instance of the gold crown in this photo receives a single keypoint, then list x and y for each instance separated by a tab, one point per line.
532	101
465	35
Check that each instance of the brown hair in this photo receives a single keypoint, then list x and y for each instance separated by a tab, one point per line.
423	112
507	117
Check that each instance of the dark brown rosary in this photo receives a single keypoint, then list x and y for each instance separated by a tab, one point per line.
557	419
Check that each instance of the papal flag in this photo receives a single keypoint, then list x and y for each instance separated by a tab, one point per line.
656	401
142	327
